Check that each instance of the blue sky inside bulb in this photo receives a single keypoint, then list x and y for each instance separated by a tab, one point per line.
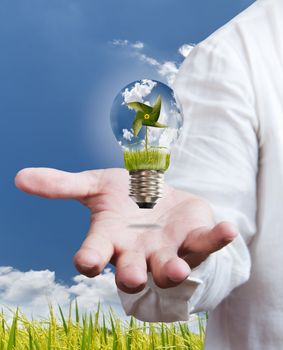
122	116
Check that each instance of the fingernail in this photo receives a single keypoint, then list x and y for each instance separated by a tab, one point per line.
130	285
177	280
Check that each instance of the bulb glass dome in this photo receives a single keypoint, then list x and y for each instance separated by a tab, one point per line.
146	121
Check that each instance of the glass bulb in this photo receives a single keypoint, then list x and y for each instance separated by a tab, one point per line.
146	121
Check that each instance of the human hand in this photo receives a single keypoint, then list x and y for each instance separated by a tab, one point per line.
169	240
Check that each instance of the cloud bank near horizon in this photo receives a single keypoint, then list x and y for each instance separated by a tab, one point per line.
33	291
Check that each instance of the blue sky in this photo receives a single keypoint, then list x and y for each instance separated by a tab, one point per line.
59	73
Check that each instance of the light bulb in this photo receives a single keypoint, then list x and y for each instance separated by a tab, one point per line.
146	121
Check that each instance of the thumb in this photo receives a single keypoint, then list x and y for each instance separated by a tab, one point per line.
206	240
53	183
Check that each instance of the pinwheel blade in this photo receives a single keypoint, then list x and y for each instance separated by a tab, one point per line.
158	125
140	107
156	109
137	124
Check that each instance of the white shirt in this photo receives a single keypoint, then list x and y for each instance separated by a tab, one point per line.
231	153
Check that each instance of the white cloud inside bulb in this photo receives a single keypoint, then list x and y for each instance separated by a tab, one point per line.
164	117
139	91
128	134
162	137
168	137
153	135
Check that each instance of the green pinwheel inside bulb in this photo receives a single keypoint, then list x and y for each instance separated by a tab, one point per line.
146	115
151	158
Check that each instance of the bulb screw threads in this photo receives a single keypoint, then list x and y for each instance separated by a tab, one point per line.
146	187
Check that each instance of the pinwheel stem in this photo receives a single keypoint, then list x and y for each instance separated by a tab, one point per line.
146	138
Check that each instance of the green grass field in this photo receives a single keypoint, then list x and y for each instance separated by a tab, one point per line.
151	159
94	331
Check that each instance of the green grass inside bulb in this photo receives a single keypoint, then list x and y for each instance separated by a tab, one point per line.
150	159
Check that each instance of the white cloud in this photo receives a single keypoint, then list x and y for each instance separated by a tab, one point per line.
185	49
167	69
149	60
139	91
136	45
33	290
120	42
90	291
128	134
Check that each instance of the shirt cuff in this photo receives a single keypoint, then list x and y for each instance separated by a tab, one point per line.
202	272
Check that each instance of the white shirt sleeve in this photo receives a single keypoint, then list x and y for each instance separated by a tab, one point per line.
217	159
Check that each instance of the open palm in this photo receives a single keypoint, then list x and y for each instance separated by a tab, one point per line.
178	234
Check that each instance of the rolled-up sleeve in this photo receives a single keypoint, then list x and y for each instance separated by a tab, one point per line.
216	158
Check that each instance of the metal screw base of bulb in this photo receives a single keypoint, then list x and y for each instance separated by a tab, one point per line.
146	187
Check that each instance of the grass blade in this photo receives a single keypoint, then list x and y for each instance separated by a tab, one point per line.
13	332
63	320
